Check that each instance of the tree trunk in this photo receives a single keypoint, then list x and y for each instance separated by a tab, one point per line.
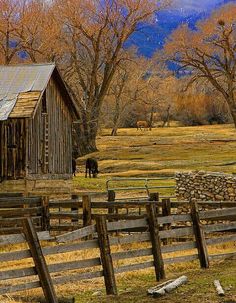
116	118
84	135
232	107
114	131
151	119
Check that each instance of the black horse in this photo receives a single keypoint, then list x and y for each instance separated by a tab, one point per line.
91	167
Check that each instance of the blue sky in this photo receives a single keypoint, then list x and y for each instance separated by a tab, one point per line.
150	38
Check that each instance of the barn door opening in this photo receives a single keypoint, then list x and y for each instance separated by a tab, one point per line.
45	152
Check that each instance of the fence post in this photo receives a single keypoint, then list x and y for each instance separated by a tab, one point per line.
199	236
39	261
45	213
87	213
105	252
156	242
74	197
154	197
166	211
111	198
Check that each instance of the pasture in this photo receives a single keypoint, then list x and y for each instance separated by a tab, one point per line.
160	152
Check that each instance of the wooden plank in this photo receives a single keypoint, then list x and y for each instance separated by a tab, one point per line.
65	215
19	238
20	211
220	240
60	249
65	203
64	227
176	233
179	247
8	194
118	217
23	200
132	254
118	226
106	258
199	236
181	259
219	227
222	256
217	214
144	237
17	221
77	277
174	219
19	287
39	261
156	242
72	265
16	255
76	234
118	204
17	273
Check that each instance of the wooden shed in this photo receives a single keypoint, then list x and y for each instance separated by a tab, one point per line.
36	116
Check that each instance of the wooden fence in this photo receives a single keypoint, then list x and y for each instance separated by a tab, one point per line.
68	215
107	253
14	207
81	211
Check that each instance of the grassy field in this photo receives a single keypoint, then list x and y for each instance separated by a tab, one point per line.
160	152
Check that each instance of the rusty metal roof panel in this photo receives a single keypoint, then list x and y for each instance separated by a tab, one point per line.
17	79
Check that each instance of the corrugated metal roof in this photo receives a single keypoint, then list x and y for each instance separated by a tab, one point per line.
17	79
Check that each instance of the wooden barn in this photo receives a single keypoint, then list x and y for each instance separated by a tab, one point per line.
36	116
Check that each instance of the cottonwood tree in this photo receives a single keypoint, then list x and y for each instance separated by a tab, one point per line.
209	52
38	31
93	35
10	44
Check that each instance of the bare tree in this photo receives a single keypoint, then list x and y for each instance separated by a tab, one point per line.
93	36
10	45
209	52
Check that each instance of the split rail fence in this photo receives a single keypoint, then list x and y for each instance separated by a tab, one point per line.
99	250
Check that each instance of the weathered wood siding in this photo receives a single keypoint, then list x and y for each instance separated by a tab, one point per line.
50	151
12	149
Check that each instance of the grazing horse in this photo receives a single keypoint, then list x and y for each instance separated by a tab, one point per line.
142	125
91	167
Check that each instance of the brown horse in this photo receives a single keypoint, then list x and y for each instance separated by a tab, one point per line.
142	125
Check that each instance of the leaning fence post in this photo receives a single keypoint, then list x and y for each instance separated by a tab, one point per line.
156	242
199	236
105	252
39	261
166	211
